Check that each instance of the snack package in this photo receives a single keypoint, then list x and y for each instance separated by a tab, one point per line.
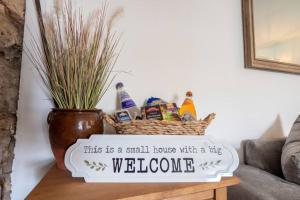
123	116
152	101
170	112
152	112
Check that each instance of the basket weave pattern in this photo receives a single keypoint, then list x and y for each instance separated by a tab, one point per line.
157	127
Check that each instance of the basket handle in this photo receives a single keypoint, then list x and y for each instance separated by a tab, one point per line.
209	118
110	120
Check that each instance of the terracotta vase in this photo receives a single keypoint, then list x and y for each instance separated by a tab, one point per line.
66	126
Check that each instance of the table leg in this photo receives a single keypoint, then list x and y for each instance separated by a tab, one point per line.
221	193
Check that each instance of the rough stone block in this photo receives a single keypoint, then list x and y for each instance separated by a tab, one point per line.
6	187
7	124
9	32
7	142
16	6
9	86
7	164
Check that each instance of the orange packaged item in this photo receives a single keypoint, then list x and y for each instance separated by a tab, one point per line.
187	111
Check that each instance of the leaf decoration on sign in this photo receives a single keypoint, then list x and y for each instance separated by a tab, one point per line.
96	166
209	165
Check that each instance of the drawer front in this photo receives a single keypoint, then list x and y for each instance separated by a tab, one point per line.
205	195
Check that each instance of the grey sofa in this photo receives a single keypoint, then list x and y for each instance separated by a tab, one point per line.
260	173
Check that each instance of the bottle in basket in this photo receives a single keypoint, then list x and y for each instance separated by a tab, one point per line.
187	111
126	102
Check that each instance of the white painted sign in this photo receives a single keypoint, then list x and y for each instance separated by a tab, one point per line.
143	158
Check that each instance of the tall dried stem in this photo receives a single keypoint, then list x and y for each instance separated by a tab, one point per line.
75	55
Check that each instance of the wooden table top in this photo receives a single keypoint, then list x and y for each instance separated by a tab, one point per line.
58	184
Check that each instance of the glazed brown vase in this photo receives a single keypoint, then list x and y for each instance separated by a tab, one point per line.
66	126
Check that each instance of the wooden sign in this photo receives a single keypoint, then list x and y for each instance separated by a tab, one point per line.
143	158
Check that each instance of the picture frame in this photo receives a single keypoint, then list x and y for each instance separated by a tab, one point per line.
250	59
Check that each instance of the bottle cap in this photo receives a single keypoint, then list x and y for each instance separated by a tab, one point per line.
119	85
189	94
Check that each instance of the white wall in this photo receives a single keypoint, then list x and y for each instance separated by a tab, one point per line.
170	46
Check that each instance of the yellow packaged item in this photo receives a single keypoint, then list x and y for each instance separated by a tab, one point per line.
187	111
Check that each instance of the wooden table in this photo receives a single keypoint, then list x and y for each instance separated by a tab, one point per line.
59	184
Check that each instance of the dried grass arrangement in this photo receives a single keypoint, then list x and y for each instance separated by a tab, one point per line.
74	54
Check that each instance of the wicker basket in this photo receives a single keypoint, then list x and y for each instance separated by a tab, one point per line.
157	127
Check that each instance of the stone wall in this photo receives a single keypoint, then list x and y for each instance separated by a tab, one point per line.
11	36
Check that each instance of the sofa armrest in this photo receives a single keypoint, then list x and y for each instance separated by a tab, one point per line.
264	154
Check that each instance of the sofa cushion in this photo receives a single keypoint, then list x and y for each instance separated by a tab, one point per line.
264	154
290	158
257	184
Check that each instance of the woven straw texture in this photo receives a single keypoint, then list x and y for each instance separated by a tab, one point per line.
157	127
